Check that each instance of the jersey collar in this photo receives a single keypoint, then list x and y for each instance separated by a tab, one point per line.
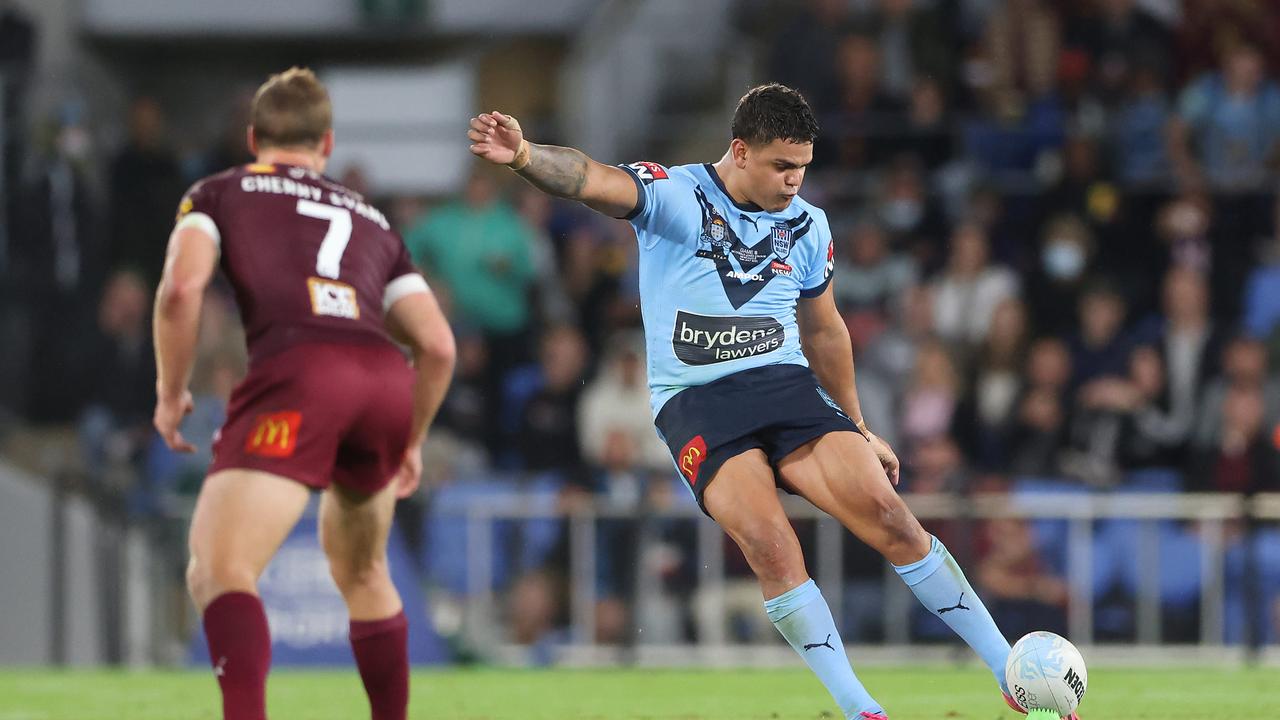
715	178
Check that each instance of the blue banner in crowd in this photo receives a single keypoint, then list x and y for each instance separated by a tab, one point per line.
307	616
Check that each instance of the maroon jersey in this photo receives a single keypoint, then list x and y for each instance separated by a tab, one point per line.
310	260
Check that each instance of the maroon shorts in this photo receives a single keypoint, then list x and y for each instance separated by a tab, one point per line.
321	413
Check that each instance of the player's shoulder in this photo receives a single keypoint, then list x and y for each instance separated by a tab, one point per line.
216	180
203	194
804	206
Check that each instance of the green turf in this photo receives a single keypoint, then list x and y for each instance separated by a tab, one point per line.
909	694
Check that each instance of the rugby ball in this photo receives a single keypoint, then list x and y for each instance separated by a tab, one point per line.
1046	672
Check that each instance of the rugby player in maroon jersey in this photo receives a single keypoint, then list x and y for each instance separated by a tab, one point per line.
329	403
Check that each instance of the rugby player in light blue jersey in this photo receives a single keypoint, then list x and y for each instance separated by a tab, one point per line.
751	368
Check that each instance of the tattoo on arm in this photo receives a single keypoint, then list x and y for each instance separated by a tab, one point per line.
555	170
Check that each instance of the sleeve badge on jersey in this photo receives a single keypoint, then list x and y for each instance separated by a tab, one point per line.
184	207
831	260
648	171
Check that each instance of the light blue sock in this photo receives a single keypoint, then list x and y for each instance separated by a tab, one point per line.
940	585
802	616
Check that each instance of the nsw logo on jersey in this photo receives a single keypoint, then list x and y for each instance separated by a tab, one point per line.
781	236
648	171
709	339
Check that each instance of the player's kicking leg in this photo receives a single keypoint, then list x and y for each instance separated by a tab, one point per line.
841	475
743	499
240	520
353	532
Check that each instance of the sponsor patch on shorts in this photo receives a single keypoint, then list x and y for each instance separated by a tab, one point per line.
274	435
691	457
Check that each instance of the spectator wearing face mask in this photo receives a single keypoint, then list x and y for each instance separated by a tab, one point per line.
909	219
1066	252
54	259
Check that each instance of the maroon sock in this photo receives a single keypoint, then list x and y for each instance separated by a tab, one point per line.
381	648
240	651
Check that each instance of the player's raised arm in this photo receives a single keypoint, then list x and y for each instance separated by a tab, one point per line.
559	171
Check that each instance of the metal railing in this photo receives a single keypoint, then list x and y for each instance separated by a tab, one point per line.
1081	512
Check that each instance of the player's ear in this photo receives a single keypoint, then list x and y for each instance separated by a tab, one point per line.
251	140
738	148
326	144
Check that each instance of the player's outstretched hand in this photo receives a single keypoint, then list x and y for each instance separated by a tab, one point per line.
169	414
410	472
888	459
495	137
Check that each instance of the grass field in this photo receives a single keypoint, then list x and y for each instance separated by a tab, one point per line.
923	694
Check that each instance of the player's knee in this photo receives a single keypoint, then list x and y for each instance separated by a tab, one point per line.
902	540
206	580
772	550
197	581
371	574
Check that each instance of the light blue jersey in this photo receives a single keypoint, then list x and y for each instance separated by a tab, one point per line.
719	280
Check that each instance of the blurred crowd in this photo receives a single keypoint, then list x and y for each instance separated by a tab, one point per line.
1057	230
1057	253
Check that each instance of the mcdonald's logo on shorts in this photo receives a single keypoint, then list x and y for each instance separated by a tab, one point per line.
691	457
274	435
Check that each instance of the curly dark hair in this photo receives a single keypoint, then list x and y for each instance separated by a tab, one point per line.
774	112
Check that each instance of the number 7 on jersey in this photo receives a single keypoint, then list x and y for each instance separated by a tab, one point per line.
331	297
329	259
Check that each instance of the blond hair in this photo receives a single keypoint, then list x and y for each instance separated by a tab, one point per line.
291	109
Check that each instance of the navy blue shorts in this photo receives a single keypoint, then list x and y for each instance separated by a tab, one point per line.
776	408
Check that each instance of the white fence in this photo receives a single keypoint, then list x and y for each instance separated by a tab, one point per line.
1211	515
